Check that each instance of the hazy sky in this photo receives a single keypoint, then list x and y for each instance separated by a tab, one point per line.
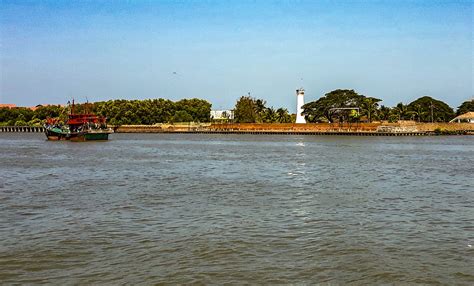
52	51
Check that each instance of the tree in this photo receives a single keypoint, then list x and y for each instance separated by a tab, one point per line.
369	106
245	110
182	116
16	116
427	109
401	111
466	106
268	115
326	106
384	113
151	111
49	111
417	112
283	116
198	109
354	116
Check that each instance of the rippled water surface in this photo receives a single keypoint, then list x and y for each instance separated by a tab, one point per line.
214	209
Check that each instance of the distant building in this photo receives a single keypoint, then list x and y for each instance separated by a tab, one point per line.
222	115
466	117
44	105
8	105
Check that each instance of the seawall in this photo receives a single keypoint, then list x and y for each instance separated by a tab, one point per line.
360	129
368	129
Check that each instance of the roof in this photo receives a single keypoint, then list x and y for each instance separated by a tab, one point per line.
468	115
9	105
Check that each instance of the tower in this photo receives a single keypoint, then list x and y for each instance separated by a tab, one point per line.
299	105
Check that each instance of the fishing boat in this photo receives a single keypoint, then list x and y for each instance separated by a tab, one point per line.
79	127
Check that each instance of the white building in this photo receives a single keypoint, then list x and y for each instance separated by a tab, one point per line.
466	117
222	114
299	105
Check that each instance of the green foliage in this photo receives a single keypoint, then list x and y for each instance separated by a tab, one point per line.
20	123
369	107
424	109
50	111
466	106
251	110
27	117
400	112
354	116
283	116
325	108
427	109
35	122
182	116
384	113
152	111
245	110
15	114
149	111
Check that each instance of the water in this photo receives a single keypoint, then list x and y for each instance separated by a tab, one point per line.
214	209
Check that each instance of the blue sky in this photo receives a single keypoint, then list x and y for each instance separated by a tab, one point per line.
52	51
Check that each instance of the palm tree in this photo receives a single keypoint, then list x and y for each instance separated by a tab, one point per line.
417	112
282	115
384	112
401	110
269	115
370	106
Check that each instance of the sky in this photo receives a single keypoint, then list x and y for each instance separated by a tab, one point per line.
52	51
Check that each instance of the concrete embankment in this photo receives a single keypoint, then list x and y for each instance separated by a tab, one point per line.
360	129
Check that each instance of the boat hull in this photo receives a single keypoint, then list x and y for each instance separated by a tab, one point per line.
91	136
57	135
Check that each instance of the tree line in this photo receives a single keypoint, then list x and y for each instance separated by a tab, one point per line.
341	105
118	112
252	110
344	105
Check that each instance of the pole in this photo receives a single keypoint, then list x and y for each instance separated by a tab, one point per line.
431	105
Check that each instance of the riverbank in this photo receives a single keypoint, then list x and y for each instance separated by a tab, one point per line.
368	129
357	129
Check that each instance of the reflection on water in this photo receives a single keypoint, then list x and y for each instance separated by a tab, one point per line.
219	209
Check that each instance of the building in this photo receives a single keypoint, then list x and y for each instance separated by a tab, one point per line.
222	115
8	105
466	117
299	105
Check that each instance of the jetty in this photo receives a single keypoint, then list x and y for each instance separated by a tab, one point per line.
21	129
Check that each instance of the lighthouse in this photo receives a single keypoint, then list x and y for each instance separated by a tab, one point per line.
299	105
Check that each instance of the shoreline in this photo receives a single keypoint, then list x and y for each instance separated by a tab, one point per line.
354	129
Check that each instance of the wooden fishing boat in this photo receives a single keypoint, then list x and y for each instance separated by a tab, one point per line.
78	128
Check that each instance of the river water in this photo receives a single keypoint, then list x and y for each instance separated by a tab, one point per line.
212	209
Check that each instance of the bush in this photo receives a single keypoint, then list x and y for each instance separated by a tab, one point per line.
20	123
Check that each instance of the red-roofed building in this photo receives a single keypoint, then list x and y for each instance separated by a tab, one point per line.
41	105
7	105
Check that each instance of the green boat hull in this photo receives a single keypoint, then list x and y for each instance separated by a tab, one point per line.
91	136
57	134
97	136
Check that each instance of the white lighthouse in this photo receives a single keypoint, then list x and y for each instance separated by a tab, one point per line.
299	105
